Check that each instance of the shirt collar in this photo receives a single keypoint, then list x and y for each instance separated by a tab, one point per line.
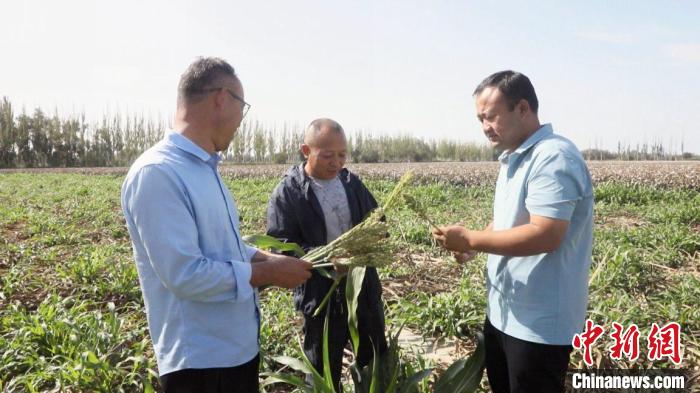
185	144
542	132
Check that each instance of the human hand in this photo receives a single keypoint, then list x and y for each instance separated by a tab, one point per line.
340	268
462	257
452	238
290	272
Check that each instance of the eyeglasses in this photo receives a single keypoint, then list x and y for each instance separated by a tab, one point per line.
244	105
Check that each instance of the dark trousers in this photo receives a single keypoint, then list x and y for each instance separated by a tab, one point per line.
518	366
370	329
243	379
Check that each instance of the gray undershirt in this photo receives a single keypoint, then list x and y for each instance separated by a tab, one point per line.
334	202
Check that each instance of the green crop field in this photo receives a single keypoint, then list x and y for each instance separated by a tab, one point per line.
72	317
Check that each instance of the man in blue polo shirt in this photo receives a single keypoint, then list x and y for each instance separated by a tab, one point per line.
199	280
539	242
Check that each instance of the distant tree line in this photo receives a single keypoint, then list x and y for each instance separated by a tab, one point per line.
655	151
42	140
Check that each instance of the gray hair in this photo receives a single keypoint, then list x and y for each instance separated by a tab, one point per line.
201	75
314	128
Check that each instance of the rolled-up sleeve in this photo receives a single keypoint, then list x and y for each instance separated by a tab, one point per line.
160	216
250	251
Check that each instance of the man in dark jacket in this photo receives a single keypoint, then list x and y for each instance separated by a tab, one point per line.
315	203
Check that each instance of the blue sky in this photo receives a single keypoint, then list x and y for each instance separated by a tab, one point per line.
604	71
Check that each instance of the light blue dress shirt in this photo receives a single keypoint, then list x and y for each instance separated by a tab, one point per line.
542	298
193	266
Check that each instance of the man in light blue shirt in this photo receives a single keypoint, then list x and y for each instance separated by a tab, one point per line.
539	242
197	276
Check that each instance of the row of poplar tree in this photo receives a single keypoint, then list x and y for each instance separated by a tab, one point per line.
41	140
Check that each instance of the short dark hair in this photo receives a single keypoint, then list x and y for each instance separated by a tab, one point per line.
513	85
200	75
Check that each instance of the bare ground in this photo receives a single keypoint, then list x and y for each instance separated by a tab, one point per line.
684	174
